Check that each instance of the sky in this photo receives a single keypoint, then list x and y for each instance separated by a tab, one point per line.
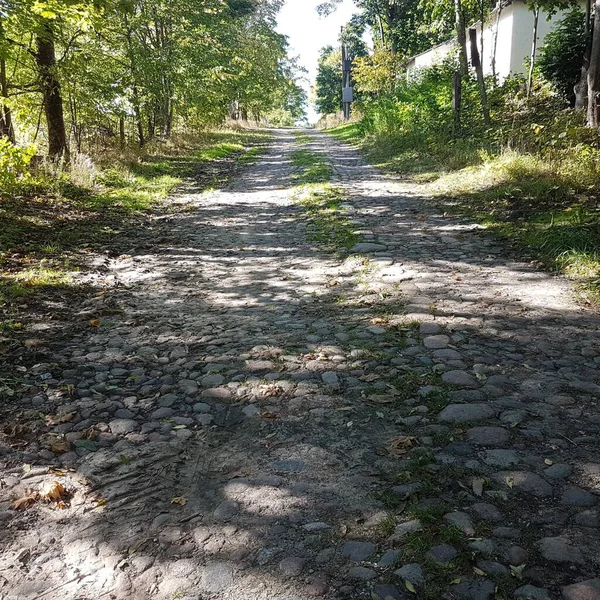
308	33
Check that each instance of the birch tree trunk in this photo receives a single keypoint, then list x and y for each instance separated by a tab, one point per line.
593	75
536	20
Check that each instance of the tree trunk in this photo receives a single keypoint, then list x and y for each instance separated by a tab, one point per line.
51	92
457	102
135	100
461	36
151	126
6	124
580	88
122	131
381	31
536	20
495	46
390	24
593	76
138	116
476	62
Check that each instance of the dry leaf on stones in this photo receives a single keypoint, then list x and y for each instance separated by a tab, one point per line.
24	502
478	487
60	446
60	418
400	446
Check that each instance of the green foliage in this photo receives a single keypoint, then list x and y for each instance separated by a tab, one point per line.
328	84
562	53
313	168
150	66
14	163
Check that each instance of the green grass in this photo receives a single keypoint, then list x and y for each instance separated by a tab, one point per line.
220	150
302	138
313	169
328	223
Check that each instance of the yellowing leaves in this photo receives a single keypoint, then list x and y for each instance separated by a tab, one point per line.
52	490
95	323
179	500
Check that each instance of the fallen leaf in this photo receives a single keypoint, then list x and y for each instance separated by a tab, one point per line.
60	446
379	321
381	399
179	500
370	377
57	472
455	581
60	418
400	446
548	462
510	482
410	587
24	502
95	323
269	415
517	571
478	572
478	487
52	490
87	444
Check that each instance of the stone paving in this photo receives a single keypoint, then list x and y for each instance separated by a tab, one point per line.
257	419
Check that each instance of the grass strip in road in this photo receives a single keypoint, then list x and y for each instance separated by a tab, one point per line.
302	138
328	222
312	167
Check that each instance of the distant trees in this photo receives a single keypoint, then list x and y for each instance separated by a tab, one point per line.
138	67
328	83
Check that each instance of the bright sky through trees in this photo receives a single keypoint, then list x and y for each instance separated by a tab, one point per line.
308	32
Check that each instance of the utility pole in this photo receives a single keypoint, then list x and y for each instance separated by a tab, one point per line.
347	89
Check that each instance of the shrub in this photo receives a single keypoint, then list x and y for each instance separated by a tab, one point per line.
561	56
14	166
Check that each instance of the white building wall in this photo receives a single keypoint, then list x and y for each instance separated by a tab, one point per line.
522	34
513	47
432	57
503	42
